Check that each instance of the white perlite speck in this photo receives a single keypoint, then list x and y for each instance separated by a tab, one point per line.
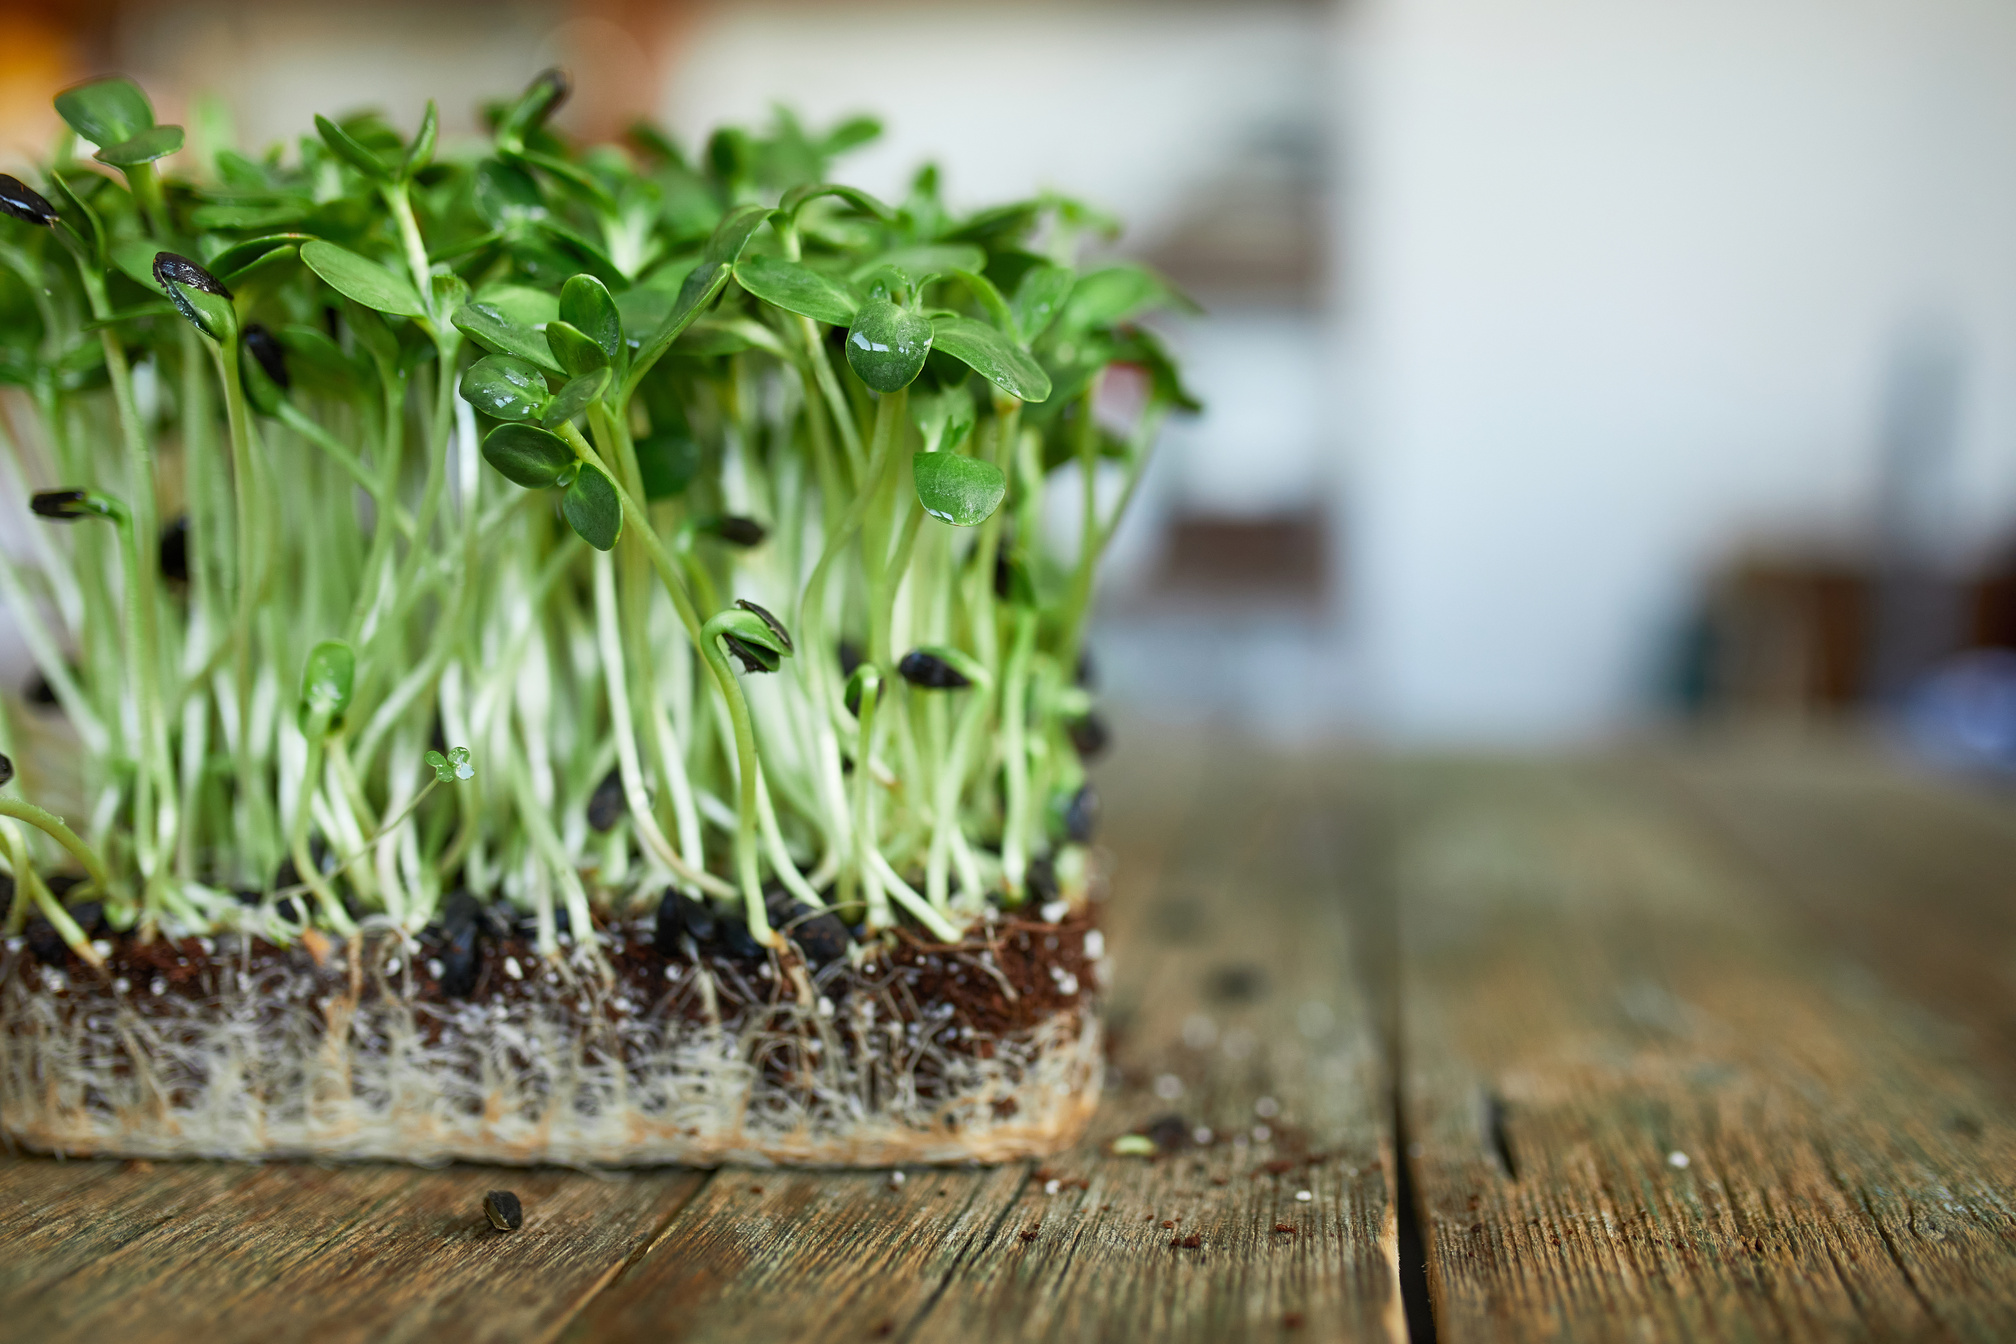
1303	1196
512	968
1095	945
1678	1159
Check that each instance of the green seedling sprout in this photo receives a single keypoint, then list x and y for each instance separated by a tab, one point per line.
701	489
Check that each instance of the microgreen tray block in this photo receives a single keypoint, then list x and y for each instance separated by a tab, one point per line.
551	652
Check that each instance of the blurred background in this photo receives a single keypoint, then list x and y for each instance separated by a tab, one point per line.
1572	366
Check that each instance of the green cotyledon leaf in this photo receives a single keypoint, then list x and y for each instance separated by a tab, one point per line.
587	306
797	289
992	355
577	396
507	388
526	454
886	345
592	507
156	142
106	111
576	352
345	147
487	325
362	279
962	491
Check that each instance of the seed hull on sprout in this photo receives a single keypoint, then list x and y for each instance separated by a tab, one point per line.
927	1052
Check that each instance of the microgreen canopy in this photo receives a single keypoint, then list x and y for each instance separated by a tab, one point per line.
699	463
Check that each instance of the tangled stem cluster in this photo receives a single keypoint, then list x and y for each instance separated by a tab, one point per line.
694	501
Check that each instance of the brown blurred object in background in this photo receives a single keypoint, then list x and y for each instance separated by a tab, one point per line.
43	46
1789	634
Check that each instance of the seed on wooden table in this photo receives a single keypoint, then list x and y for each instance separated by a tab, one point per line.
503	1210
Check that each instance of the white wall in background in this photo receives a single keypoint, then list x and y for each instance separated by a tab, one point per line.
1267	439
1625	276
1127	105
276	64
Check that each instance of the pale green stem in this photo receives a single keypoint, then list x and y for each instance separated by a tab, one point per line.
780	857
951	784
54	826
749	782
1015	751
1072	623
250	580
627	765
297	839
864	804
539	828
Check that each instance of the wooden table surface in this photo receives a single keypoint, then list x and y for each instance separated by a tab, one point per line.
1704	1041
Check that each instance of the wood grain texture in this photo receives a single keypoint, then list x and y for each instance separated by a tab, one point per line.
60	1217
1912	875
802	1255
1644	1104
1231	935
233	1252
1236	988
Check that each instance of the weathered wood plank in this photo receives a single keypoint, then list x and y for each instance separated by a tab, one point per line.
378	1252
1230	936
429	1266
59	1217
1237	1010
1642	1105
800	1255
1910	874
